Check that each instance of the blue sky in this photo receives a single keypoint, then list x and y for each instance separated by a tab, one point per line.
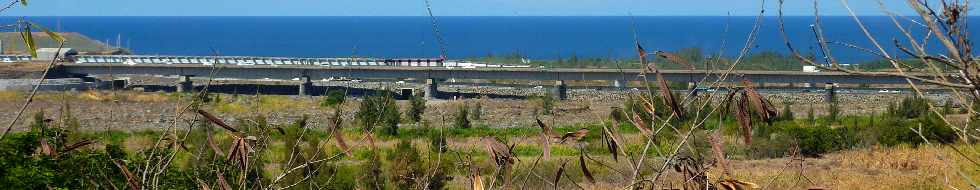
441	7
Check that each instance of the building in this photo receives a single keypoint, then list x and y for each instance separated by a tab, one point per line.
48	54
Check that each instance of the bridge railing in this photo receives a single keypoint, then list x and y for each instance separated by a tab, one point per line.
14	58
246	60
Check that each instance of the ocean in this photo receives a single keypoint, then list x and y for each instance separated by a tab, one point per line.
533	37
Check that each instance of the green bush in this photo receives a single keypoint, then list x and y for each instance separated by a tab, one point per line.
372	175
438	142
810	116
477	113
462	120
416	109
545	103
833	111
379	110
22	168
782	137
894	131
333	98
405	165
947	107
912	107
787	113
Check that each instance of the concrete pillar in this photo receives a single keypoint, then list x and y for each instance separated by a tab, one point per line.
431	89
831	91
620	83
306	88
184	84
693	87
560	91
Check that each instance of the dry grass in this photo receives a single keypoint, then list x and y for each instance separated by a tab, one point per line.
901	167
11	96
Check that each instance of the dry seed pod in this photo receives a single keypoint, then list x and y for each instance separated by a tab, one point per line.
758	103
216	121
577	135
744	119
676	59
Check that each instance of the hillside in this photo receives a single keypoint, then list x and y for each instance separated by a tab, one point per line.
13	44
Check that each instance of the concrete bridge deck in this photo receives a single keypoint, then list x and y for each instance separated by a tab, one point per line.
395	72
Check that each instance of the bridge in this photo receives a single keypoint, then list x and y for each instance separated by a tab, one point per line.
433	74
250	60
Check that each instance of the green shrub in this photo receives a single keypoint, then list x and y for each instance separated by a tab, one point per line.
333	98
416	109
545	103
912	107
372	175
22	168
833	111
438	142
340	176
379	110
936	130
895	130
405	165
810	116
782	137
462	120
477	113
787	114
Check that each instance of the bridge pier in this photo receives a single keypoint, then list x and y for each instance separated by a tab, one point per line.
560	91
431	89
184	84
831	91
306	88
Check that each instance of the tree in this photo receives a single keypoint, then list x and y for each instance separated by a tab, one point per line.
405	169
833	111
810	116
416	109
477	113
379	110
462	120
787	114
